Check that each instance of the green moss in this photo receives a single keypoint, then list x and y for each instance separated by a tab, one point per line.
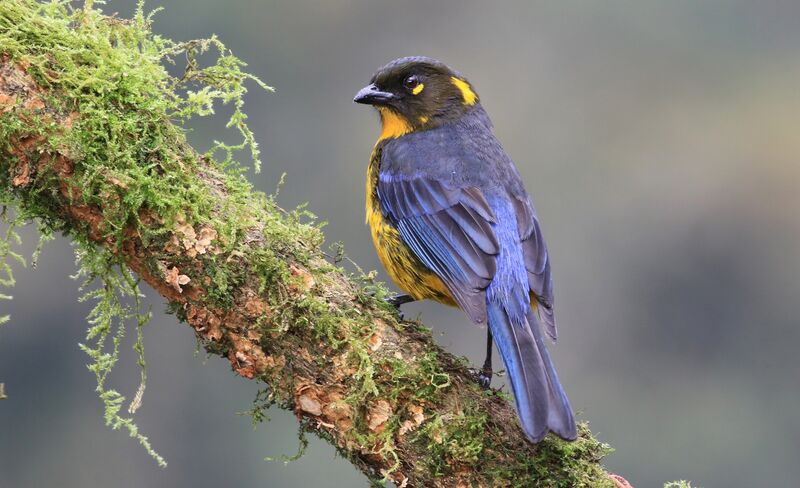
7	254
678	484
571	464
107	320
132	159
455	441
421	380
468	439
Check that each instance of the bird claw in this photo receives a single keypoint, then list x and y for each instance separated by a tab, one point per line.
398	300
485	379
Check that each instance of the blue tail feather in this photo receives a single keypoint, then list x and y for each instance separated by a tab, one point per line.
542	405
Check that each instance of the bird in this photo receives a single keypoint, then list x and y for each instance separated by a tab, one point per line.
451	221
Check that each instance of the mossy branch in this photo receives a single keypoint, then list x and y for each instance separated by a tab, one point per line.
91	146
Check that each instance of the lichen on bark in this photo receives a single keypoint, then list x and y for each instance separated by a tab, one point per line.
92	145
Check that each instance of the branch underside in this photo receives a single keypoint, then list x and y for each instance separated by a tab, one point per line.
252	282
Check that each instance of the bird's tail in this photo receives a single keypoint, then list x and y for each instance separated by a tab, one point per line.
542	405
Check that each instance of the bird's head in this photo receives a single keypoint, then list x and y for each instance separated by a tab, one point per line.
416	93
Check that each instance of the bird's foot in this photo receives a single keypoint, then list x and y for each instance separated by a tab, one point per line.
400	299
485	378
397	300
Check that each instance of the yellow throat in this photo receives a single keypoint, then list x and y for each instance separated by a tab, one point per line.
393	124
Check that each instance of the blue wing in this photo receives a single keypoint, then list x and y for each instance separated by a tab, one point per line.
450	231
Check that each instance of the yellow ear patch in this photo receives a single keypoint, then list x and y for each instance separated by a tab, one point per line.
394	124
418	89
469	96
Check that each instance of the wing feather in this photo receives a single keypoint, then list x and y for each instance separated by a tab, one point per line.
449	230
537	261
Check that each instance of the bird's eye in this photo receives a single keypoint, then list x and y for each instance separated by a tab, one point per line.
411	82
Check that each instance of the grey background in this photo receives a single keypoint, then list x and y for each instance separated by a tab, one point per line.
660	143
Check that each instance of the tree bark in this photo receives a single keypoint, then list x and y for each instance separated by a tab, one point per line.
265	297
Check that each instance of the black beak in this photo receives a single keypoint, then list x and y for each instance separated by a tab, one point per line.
371	95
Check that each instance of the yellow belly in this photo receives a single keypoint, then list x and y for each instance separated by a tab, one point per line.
405	269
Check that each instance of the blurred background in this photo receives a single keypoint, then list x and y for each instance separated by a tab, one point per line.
661	144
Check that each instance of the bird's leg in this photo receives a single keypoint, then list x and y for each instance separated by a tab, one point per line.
400	299
485	376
